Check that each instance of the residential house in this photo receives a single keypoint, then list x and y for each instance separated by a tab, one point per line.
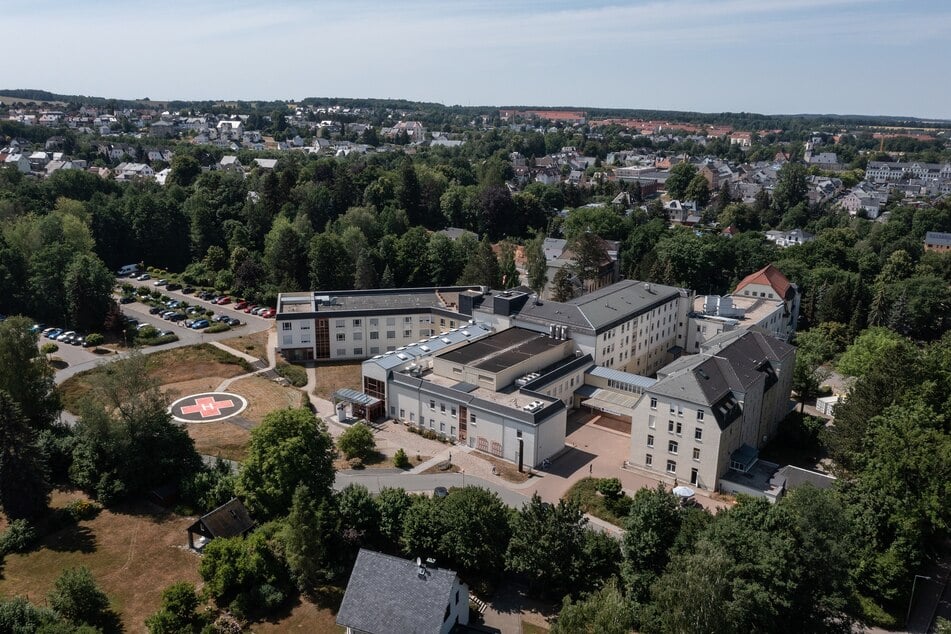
770	283
231	519
938	241
129	171
785	239
389	594
230	163
19	161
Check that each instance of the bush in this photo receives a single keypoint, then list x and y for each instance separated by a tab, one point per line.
400	460
81	510
179	611
296	375
49	348
20	537
355	463
158	341
78	599
357	442
873	614
610	488
94	339
149	332
218	327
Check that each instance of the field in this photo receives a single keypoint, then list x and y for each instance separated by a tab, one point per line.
223	439
333	376
174	368
134	552
265	396
253	344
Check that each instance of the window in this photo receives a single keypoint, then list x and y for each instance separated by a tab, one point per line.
472	418
305	326
341	352
374	335
412	416
679	427
651	422
648	460
402	414
698	433
672	447
391	321
432	404
518	433
453	410
696	453
452	431
670	426
442	426
680	411
358	336
699	414
673	410
653	403
391	334
407	320
442	408
374	322
286	326
357	323
671	466
650	441
432	424
341	336
341	323
407	333
358	352
375	350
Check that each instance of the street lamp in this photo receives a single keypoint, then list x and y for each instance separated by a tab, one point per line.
911	599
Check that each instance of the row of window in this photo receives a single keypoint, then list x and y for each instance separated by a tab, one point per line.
678	410
673	447
390	334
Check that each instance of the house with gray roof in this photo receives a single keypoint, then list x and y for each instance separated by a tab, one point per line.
709	413
388	594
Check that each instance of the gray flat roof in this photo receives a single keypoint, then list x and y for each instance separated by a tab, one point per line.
491	345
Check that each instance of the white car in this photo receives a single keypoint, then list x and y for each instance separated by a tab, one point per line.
144	277
68	333
160	282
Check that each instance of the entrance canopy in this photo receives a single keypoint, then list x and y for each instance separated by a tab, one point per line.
610	402
363	405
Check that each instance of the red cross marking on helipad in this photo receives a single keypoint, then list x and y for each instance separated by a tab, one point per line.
207	406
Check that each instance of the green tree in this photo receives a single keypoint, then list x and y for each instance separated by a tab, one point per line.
508	272
651	528
289	448
392	505
482	266
330	267
78	599
25	375
178	611
537	264
364	275
562	289
185	170
400	459
589	253
874	343
679	179
311	538
791	188
24	485
606	611
357	441
698	190
88	285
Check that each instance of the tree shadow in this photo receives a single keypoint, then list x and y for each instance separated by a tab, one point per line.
74	538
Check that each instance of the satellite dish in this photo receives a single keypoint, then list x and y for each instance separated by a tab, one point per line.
419	562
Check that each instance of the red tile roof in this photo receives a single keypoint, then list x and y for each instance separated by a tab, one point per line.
770	276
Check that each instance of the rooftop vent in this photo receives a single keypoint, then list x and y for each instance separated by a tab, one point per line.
446	340
402	356
425	348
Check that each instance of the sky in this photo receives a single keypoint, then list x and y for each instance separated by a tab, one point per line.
875	57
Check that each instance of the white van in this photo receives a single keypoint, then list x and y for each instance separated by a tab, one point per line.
128	269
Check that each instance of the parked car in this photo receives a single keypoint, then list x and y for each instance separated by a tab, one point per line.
205	295
269	313
440	492
162	282
176	317
144	277
224	299
155	310
191	310
198	324
53	333
173	286
35	328
250	308
78	340
141	326
259	310
233	322
188	290
47	331
240	304
174	303
168	313
126	299
221	317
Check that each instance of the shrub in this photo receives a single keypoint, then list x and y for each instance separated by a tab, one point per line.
49	348
179	611
357	442
610	488
400	459
20	537
158	341
219	327
94	339
78	599
83	509
149	332
355	463
293	373
873	614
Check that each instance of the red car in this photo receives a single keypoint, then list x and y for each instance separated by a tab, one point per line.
224	299
250	307
270	312
240	305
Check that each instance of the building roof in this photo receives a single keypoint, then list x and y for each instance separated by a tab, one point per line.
611	374
938	238
791	477
770	276
228	520
388	594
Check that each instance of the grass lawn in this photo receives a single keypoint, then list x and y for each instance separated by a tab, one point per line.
531	628
585	492
133	551
254	344
265	396
175	366
222	439
333	376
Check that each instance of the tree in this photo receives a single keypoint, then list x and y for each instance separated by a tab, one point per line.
289	448
25	375
330	267
874	343
364	275
357	441
88	286
78	599
808	376
507	270
391	504
24	485
651	528
185	169
537	264
548	547
401	460
311	538
482	267
606	611
589	254
178	611
791	187
679	179
563	289
698	190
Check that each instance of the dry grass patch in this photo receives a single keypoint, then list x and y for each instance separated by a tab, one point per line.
506	470
302	616
195	386
333	376
134	552
265	396
224	439
254	344
168	367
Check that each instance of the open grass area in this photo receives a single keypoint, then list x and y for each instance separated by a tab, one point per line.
333	376
265	396
303	615
254	344
221	439
585	493
531	628
133	551
175	366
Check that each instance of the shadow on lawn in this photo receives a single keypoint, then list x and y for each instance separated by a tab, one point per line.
74	538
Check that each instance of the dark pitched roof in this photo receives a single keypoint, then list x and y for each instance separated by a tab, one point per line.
387	594
228	520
